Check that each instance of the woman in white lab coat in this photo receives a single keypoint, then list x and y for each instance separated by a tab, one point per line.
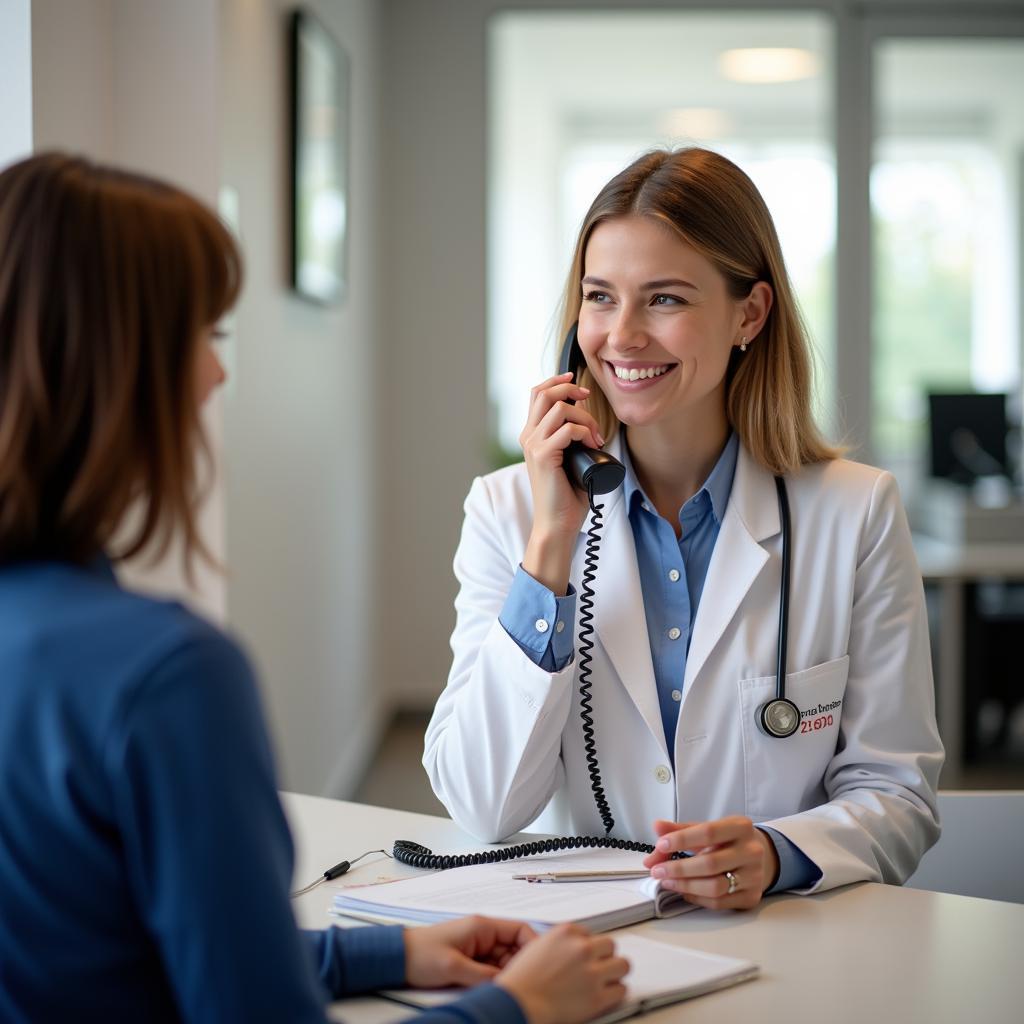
698	380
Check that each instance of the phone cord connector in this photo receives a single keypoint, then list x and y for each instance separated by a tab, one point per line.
337	871
586	645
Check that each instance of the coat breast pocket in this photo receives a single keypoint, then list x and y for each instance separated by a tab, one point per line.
785	775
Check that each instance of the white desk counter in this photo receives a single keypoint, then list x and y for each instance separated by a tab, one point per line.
865	953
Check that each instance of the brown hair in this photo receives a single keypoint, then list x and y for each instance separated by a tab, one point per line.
717	209
107	280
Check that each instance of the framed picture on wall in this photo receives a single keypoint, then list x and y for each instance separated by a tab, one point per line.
319	160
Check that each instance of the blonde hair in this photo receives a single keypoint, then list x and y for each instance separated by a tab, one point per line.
717	209
107	280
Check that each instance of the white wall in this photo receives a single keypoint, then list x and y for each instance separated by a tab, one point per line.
433	174
73	76
195	91
301	452
137	82
15	80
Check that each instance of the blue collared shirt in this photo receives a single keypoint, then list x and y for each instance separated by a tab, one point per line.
145	859
672	574
673	570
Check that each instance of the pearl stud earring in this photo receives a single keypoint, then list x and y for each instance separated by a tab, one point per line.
743	343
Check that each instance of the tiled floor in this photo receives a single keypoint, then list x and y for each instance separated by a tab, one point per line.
397	779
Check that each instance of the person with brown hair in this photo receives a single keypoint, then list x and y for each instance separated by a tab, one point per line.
144	856
753	681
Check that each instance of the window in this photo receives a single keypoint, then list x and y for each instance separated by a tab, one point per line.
575	97
946	206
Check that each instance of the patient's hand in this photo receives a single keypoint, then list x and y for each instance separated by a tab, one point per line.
465	952
566	976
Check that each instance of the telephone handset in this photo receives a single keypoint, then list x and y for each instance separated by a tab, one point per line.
595	472
589	469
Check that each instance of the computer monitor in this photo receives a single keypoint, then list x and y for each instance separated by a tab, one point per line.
967	435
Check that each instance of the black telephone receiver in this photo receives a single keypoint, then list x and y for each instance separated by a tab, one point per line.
589	469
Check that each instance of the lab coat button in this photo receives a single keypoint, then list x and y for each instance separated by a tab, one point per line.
662	773
541	626
677	694
673	633
673	575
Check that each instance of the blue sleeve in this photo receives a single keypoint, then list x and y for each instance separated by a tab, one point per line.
487	1004
540	623
796	869
207	851
355	960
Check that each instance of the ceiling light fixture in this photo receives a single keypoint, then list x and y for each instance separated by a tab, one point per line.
766	65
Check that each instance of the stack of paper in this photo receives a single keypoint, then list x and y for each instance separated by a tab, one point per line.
491	889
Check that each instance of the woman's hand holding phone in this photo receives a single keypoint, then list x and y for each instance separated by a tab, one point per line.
558	508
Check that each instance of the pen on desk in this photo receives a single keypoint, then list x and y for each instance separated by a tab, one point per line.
583	876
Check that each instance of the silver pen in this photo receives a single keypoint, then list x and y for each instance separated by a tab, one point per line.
583	876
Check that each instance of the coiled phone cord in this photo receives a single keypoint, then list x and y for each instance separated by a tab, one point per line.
420	857
586	644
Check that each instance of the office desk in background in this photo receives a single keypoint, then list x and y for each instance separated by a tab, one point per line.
950	568
861	953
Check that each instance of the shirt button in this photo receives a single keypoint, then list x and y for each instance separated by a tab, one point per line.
559	626
677	694
662	774
673	575
541	626
673	633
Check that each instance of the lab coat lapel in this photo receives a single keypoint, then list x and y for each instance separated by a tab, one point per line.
620	623
751	516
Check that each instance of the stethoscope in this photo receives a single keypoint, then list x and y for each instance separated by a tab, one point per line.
780	717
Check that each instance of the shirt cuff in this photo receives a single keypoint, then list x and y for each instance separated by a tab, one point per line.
539	622
353	960
796	869
486	1004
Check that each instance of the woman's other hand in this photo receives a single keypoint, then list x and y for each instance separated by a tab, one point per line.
727	845
566	976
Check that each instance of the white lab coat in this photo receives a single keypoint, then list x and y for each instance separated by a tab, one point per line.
855	791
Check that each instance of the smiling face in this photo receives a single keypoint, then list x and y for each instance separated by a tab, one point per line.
657	323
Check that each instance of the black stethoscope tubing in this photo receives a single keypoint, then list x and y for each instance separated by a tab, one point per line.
780	717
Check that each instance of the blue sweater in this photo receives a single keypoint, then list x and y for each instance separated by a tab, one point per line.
144	855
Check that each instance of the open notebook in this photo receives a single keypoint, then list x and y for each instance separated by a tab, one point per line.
660	974
490	889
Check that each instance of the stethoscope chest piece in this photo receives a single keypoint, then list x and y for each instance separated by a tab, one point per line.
779	718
